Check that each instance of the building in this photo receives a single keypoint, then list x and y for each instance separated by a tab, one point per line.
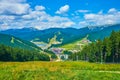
59	53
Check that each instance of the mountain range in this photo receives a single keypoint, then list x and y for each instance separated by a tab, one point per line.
63	35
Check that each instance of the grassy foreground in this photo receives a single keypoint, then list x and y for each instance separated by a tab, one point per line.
58	71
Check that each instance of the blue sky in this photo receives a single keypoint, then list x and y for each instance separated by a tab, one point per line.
44	14
93	5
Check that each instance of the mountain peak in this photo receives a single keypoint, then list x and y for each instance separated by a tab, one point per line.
101	26
30	29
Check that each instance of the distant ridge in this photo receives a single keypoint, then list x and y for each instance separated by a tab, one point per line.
66	34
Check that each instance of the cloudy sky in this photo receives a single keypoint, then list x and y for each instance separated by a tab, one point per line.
44	14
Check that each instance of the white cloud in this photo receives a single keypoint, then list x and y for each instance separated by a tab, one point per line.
82	11
20	15
4	26
14	7
112	10
39	8
63	9
92	19
83	23
35	15
5	17
100	12
45	21
13	1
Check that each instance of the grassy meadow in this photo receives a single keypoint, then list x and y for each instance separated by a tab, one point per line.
67	70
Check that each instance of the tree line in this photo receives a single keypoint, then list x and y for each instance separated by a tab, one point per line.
107	50
8	53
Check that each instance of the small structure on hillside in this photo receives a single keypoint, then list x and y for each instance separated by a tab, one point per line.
59	53
57	50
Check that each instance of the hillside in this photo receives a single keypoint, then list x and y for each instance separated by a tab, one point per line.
8	53
77	45
103	32
106	50
45	35
16	42
62	35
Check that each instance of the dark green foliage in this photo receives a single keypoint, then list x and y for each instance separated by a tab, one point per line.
73	57
53	56
67	52
62	57
70	55
15	54
107	50
101	33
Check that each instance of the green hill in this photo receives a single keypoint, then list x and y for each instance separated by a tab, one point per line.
16	42
62	36
76	45
106	50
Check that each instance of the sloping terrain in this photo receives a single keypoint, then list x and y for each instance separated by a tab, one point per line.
77	45
63	35
16	42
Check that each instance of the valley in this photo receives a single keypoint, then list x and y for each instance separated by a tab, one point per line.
58	54
59	40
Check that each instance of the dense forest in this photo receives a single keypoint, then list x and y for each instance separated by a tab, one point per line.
107	50
8	53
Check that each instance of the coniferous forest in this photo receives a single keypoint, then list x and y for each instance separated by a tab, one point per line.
16	54
107	50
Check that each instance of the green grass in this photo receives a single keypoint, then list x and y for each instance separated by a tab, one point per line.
12	41
58	71
77	45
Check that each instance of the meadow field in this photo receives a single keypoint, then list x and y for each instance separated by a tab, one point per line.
67	70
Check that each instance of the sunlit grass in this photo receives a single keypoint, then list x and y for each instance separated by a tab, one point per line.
58	71
77	45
